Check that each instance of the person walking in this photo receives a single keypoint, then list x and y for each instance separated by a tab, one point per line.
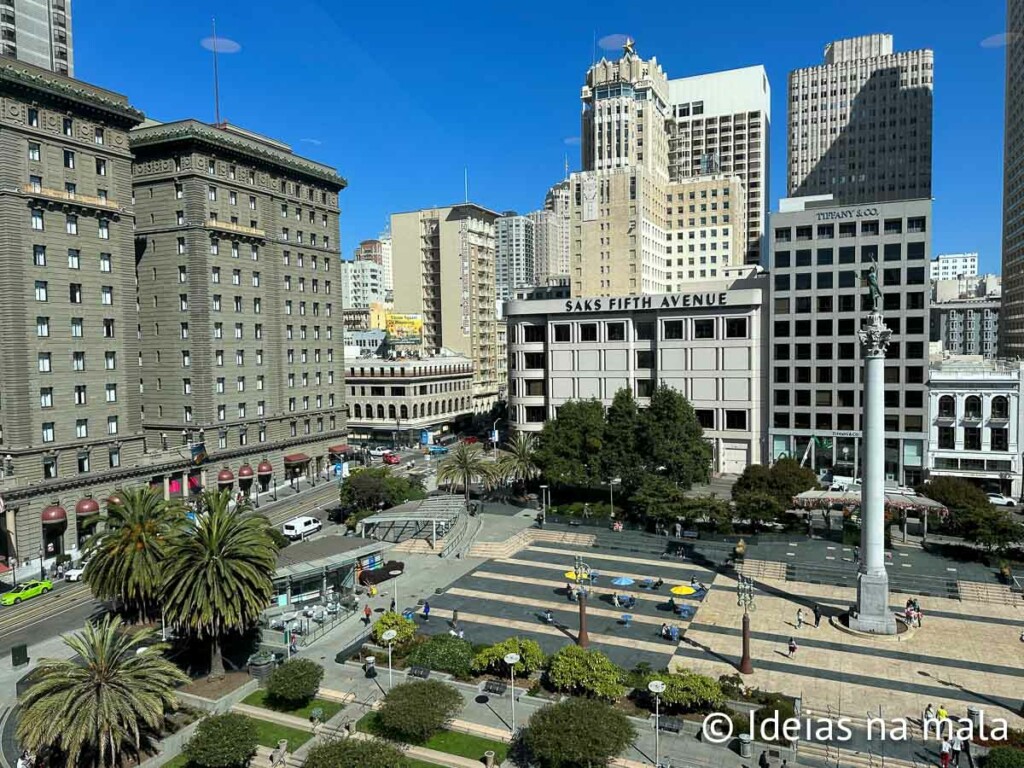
762	761
455	618
367	613
944	753
792	647
955	747
392	607
942	713
426	611
817	615
799	618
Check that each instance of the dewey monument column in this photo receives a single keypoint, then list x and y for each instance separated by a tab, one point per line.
872	613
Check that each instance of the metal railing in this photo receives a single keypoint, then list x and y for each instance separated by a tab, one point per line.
232	227
70	197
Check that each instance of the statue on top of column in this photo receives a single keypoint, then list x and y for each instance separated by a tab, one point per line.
871	280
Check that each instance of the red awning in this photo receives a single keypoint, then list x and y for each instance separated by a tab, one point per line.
87	507
296	458
338	449
54	515
265	468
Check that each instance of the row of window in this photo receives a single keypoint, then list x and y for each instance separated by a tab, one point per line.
845	398
868	227
732	420
826	257
74	258
847	374
42	293
435	388
823	281
84	463
77	327
802	305
35	154
49	430
288	187
699	328
846	326
67	126
457	404
81	395
45	361
218	357
999	438
70	224
1000	407
844	422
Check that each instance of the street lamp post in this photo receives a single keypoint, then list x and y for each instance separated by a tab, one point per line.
657	687
494	440
512	659
543	501
388	637
582	573
611	494
395	574
745	598
42	569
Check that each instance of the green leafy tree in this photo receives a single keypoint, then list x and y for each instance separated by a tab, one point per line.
126	558
991	527
957	494
671	437
755	478
570	445
465	465
219	574
578	671
223	741
708	509
686	692
657	498
97	706
356	753
1004	757
575	733
782	480
492	658
371	488
519	464
444	653
413	712
759	507
405	628
620	457
295	683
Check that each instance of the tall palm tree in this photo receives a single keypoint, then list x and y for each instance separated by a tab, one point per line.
125	559
96	706
219	573
519	462
465	464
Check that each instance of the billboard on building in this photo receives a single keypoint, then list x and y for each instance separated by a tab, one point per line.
404	328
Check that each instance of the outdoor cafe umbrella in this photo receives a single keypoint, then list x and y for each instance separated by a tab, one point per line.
623	581
683	590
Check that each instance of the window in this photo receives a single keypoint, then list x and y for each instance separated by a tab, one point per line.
107	295
76	327
39	255
588	331
110	361
704	328
46	397
972	438
41	290
736	420
48	436
972	407
44	362
111	393
616	331
81	428
106	263
1000	440
644	359
42	326
562	332
69	159
736	328
211	193
104	229
1000	407
673	329
80	396
71	224
33	151
108	328
111	425
37	219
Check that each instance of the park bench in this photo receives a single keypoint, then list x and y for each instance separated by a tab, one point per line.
495	687
421	672
670	724
691	534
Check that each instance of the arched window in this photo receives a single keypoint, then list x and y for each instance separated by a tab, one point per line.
404	412
972	407
430	409
357	411
1000	407
380	412
449	405
415	410
392	413
947	407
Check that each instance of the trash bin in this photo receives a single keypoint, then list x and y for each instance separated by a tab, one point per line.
746	745
974	715
489	758
371	667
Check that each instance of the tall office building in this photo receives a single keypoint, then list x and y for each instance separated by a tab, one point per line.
385	261
707	233
362	284
70	429
1012	339
38	32
558	201
546	241
860	125
446	257
721	123
515	254
239	296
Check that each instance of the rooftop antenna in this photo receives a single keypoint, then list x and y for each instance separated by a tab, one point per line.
216	76
593	57
466	169
566	166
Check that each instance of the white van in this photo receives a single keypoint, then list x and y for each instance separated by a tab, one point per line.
300	527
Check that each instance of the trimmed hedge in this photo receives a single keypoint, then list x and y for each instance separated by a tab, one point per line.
444	653
413	712
222	741
295	682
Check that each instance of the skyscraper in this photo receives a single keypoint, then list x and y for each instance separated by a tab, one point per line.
446	259
385	261
860	125
38	32
720	124
362	284
515	253
1013	186
558	200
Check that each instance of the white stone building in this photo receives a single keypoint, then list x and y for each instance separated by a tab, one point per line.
951	266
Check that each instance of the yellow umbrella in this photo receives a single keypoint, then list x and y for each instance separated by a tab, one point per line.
683	590
571	575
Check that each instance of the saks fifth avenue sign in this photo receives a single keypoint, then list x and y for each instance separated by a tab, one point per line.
667	301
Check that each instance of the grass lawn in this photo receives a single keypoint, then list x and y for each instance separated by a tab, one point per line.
330	708
268	734
449	742
179	762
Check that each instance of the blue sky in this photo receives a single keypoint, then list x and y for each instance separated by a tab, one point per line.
402	96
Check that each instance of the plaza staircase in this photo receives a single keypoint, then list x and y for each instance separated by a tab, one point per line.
983	592
493	550
763	569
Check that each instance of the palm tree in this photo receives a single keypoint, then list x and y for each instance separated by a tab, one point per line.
125	559
219	574
465	464
93	707
518	464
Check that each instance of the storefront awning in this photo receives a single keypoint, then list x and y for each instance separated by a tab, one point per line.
296	458
338	449
54	515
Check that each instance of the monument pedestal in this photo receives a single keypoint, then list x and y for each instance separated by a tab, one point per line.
872	613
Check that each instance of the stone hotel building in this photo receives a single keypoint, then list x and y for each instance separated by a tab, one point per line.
708	343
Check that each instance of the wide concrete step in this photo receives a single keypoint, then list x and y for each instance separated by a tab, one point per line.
763	569
983	592
522	539
850	758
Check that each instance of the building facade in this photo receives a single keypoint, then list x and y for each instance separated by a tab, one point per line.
707	230
237	252
838	144
976	422
515	254
820	253
447	259
559	202
69	397
721	123
708	343
369	250
385	261
545	245
362	284
408	401
952	266
1013	185
966	327
38	32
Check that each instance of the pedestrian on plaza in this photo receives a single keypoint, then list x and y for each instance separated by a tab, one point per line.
967	751
799	618
792	647
942	713
426	611
927	717
461	635
762	761
367	612
455	618
392	607
955	747
679	530
944	753
817	615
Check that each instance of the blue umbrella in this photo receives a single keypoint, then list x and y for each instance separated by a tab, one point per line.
622	581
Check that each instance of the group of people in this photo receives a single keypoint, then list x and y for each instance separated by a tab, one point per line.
801	620
952	747
670	632
29	760
912	612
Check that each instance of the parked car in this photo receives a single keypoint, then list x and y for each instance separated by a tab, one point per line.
301	527
392	458
379	451
470	439
74	574
25	591
437	450
1001	501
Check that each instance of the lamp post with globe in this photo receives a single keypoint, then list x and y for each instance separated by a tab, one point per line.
657	687
512	659
389	638
745	598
